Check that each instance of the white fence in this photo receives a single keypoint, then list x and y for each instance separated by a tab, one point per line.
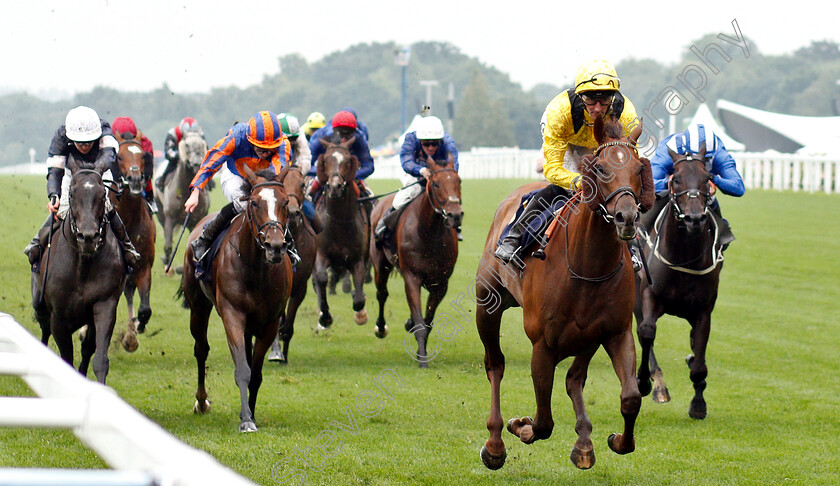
140	450
781	172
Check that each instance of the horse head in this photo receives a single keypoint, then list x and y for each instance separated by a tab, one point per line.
131	158
191	150
337	167
616	183
444	192
293	180
266	214
689	188
87	206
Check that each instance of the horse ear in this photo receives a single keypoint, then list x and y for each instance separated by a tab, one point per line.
320	172
249	174
648	196
326	143
349	143
282	175
674	155
701	154
72	164
598	129
635	133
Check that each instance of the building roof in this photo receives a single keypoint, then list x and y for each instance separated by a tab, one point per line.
703	115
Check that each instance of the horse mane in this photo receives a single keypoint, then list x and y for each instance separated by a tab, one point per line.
648	195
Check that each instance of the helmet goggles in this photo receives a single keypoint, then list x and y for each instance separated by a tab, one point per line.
600	81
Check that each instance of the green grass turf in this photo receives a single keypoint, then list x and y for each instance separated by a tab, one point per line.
773	389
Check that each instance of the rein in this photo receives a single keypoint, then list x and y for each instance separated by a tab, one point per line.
438	208
575	200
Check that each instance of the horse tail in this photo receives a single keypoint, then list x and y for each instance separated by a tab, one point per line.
179	295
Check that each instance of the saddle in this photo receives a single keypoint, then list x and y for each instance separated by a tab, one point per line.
203	267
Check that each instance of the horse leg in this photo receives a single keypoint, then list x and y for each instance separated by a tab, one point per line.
359	271
199	315
129	340
381	272
646	331
700	328
168	228
493	453
261	345
319	282
660	388
583	453
420	329
235	325
622	351
543	362
63	339
88	348
104	318
144	313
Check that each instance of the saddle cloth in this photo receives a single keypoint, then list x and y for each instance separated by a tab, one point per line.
538	226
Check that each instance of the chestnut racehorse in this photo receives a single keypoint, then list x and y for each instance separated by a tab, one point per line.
249	283
684	259
141	229
580	297
427	249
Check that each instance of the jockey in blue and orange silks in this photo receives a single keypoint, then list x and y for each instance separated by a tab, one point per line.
261	145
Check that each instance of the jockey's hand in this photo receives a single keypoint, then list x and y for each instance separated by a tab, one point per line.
53	203
425	172
712	188
192	201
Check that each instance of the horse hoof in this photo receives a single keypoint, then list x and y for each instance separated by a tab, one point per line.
409	325
276	355
514	425
141	327
644	386
130	342
361	317
611	442
661	395
490	461
582	459
83	332
319	328
247	427
201	408
697	409
689	359
381	333
324	320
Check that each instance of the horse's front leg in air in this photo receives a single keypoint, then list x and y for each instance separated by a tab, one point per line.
622	352
583	453
700	328
420	328
528	430
319	282
359	273
646	317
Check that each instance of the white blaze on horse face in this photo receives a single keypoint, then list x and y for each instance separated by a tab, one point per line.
339	157
135	149
267	195
88	185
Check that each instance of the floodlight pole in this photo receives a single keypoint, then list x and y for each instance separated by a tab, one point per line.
429	84
403	56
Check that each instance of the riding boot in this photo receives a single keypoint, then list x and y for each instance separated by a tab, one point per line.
292	249
132	258
509	246
460	236
634	257
386	226
160	182
149	196
211	231
33	249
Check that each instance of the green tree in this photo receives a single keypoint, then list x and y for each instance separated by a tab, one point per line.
482	121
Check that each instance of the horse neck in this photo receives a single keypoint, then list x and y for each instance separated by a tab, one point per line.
677	244
430	222
593	242
249	252
345	207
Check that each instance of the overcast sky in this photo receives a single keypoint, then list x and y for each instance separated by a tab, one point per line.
193	45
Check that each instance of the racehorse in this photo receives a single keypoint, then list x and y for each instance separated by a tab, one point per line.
578	298
191	151
249	283
685	260
141	229
427	248
305	243
343	243
81	275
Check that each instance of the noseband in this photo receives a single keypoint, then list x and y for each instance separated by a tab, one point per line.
621	191
437	204
337	172
259	232
72	219
123	181
691	193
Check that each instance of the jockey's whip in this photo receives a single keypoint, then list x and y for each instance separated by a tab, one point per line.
175	250
47	263
368	198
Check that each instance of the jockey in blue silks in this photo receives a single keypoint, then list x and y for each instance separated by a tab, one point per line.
342	128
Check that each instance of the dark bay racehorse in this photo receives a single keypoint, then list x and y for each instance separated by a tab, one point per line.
306	246
84	273
191	151
141	229
343	243
249	285
578	299
684	259
427	248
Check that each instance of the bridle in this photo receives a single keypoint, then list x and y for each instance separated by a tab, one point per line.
434	201
72	219
123	181
619	192
691	193
346	152
260	232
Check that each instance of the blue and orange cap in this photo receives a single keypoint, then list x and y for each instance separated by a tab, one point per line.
264	130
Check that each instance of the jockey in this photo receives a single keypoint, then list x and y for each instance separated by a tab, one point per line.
315	121
89	140
342	127
170	147
125	127
303	159
260	144
427	145
567	126
360	125
718	160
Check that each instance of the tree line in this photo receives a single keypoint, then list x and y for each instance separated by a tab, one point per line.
488	108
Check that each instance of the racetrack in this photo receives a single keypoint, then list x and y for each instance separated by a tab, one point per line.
773	387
